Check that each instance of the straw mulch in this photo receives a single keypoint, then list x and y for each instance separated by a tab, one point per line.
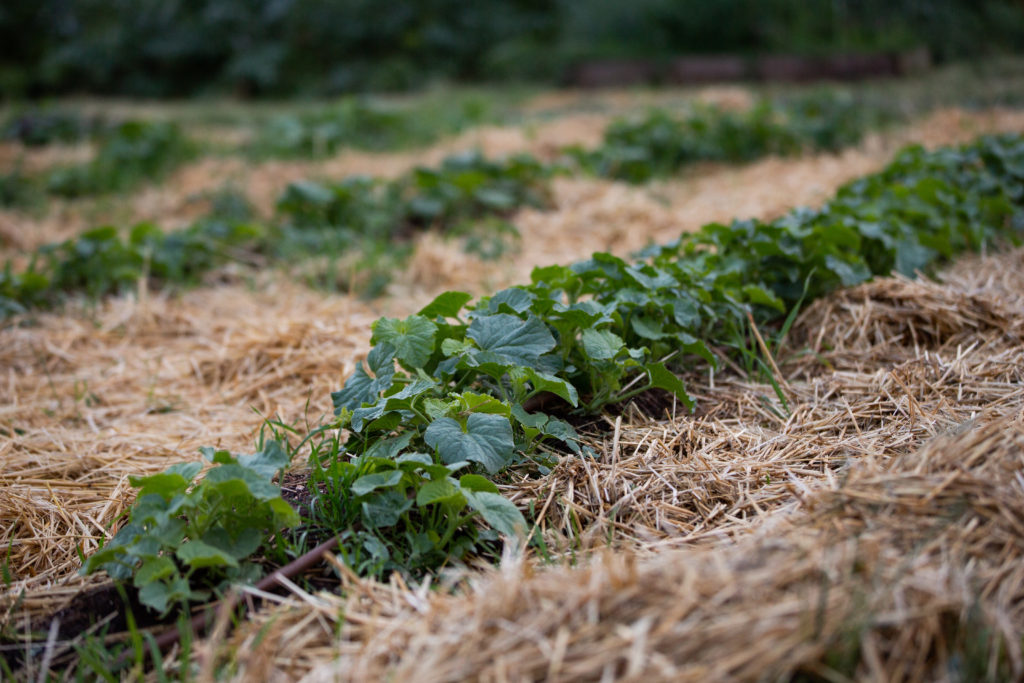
94	394
589	215
89	398
598	215
876	532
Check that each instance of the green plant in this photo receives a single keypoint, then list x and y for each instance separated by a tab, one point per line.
451	397
373	218
182	534
40	126
19	189
130	153
660	144
406	514
462	382
100	261
464	187
372	124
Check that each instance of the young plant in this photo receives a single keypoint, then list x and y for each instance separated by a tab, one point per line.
185	538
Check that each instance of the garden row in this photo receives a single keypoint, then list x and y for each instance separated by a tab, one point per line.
370	216
449	398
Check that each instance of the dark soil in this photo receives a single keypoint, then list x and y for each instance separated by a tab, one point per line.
102	604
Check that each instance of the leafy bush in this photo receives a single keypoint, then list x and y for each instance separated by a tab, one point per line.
358	215
132	152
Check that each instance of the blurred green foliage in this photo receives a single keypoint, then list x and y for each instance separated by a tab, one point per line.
278	47
363	123
128	154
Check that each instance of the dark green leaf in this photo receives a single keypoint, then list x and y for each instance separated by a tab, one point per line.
371	482
498	512
446	305
486	440
663	378
412	338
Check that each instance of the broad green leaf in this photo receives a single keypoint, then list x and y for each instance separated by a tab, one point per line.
486	440
410	462
663	378
495	198
197	554
849	273
378	480
531	420
188	470
154	569
516	341
412	338
157	595
387	449
439	491
454	347
436	407
385	508
601	344
475	482
361	387
304	191
472	402
516	299
219	456
244	542
284	514
686	313
542	381
498	512
446	305
399	401
912	256
165	484
759	295
690	344
554	276
235	480
267	462
648	327
564	432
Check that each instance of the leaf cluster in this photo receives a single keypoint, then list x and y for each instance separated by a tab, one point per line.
41	126
184	537
660	143
459	381
101	261
409	513
467	194
464	187
449	398
130	153
370	124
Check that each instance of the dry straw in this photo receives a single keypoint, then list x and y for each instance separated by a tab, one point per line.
870	532
876	532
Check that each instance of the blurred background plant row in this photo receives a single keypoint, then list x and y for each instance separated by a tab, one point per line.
160	48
